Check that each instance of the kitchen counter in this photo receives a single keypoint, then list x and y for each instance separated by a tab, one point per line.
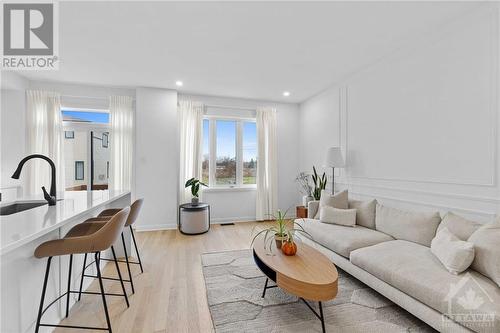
22	274
21	228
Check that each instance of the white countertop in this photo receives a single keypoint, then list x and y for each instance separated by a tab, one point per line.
21	228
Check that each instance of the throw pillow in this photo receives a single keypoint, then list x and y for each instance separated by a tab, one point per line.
345	217
487	244
365	212
457	225
455	254
417	227
339	200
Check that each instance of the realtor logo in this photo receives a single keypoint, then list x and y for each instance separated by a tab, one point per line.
29	36
469	304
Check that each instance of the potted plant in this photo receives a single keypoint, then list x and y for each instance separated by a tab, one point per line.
319	184
283	230
195	188
305	187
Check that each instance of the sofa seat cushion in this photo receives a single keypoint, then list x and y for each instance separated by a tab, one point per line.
414	270
341	239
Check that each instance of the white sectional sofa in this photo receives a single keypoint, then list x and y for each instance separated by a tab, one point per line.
399	264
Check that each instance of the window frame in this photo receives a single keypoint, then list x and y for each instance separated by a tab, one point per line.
82	163
212	152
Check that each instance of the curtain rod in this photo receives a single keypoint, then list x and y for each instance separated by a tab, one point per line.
90	97
230	107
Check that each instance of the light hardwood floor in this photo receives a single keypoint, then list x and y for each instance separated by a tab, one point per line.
170	295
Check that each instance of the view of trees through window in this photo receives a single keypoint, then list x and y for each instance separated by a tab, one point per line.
249	153
235	152
225	163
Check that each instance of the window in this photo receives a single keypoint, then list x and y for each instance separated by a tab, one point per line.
79	170
249	153
206	152
225	163
87	146
229	152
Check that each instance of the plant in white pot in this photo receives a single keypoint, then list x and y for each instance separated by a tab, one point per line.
195	188
303	181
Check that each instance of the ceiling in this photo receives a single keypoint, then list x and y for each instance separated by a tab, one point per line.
239	49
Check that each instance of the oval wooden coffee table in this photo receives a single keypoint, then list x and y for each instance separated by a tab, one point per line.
309	274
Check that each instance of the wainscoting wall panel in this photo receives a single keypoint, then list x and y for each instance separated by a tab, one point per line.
420	127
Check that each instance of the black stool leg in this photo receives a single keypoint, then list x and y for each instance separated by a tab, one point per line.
69	284
136	249
44	289
97	257
120	276
128	264
81	280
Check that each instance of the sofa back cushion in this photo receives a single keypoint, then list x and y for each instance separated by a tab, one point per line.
365	212
486	242
345	217
455	254
417	227
338	200
457	225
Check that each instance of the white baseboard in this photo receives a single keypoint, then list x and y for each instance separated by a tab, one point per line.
217	220
156	227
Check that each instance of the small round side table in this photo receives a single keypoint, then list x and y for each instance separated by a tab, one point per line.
194	219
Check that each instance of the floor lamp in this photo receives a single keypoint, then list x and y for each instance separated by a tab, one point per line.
334	159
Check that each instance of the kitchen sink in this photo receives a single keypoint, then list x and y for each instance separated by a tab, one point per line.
18	207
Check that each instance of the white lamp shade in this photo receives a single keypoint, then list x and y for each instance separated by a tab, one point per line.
334	158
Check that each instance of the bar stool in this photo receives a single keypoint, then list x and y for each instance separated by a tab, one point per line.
105	215
82	238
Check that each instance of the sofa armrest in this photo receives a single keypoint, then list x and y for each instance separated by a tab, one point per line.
312	208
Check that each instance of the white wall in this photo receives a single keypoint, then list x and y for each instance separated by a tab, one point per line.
156	155
234	205
420	127
13	135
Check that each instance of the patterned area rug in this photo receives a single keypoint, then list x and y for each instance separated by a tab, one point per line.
234	288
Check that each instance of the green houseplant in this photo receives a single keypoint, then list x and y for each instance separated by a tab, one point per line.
282	231
195	188
319	184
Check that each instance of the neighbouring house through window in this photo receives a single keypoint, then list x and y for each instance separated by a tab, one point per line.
86	149
229	152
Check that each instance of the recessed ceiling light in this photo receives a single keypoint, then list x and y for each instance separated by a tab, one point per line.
286	93
178	83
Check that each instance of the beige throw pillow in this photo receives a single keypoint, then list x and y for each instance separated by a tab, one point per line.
417	227
345	217
455	254
457	225
365	212
339	200
487	245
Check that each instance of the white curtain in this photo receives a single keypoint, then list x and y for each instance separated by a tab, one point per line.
191	133
267	169
44	136
121	142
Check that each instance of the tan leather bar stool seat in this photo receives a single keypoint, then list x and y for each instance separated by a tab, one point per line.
100	240
132	216
92	237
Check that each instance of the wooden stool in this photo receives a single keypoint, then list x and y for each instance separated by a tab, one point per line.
83	238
